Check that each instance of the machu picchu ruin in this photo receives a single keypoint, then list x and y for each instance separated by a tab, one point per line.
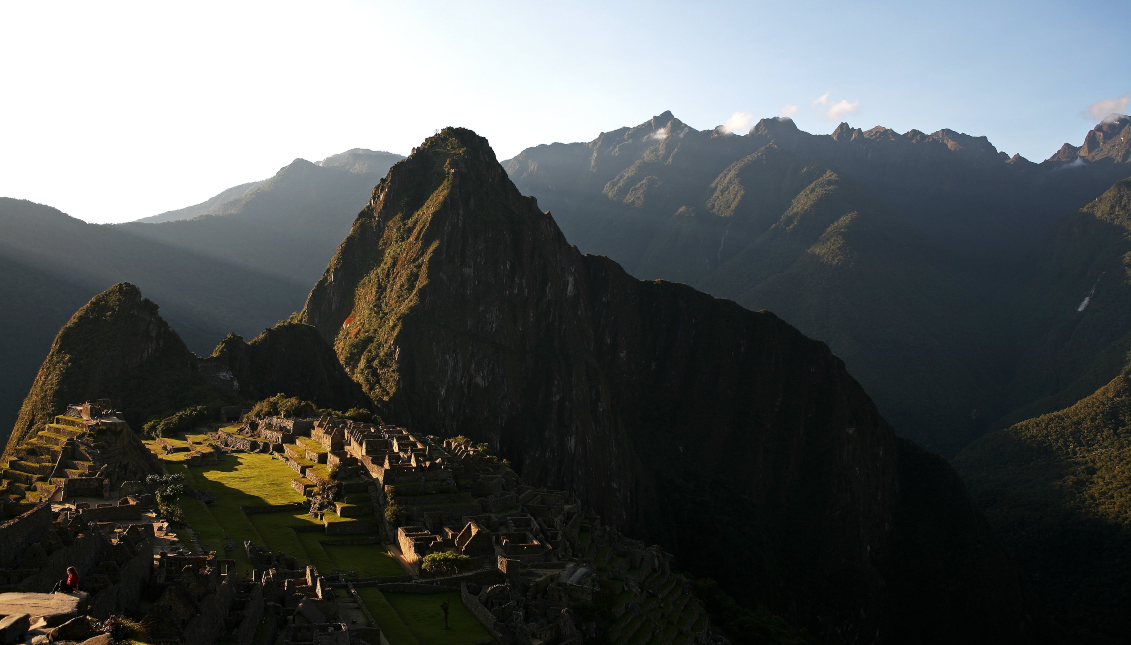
534	568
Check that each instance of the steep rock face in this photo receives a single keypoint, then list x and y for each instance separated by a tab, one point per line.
116	346
290	358
724	434
1078	304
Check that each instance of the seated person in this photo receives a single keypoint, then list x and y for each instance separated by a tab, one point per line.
71	583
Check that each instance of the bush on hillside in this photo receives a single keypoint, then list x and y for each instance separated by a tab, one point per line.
178	422
280	405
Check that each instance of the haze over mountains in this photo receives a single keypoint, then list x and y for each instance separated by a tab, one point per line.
246	264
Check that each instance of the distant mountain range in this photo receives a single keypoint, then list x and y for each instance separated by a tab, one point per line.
912	255
236	263
982	300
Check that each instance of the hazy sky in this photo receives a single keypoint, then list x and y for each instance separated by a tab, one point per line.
112	111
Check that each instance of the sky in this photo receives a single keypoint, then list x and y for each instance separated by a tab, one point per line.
113	111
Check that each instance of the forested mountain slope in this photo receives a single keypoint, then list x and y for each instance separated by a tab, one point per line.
724	434
1057	487
246	261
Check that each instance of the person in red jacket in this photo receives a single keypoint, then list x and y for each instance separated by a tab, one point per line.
70	584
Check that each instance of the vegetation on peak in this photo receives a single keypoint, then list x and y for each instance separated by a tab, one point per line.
461	309
117	346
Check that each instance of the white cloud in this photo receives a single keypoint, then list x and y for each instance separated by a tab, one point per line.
789	110
739	122
661	134
1107	109
841	108
822	99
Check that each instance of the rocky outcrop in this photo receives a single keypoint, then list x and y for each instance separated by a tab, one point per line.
117	347
723	434
290	358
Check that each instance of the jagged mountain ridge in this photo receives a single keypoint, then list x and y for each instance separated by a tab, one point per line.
934	232
356	160
461	309
117	346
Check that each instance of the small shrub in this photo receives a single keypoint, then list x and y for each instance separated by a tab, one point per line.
395	514
121	628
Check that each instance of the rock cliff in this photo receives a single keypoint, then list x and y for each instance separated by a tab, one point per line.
724	434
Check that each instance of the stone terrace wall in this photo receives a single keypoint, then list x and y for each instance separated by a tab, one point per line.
478	610
20	532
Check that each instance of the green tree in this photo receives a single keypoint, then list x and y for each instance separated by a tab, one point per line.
166	489
445	563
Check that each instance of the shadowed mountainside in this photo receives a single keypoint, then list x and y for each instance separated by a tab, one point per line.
247	261
896	249
1057	487
55	263
724	434
117	346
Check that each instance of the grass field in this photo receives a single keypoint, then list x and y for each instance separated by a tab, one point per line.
422	615
258	479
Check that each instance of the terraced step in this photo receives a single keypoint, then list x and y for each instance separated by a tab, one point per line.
688	617
630	629
44	448
41	469
53	439
68	431
26	479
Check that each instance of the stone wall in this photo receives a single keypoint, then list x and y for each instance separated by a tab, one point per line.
133	578
478	610
113	513
20	532
206	627
83	553
253	613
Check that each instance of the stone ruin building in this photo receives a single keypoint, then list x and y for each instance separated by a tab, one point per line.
540	562
543	570
86	452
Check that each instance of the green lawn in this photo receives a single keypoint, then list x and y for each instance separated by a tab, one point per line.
366	559
422	615
387	618
257	479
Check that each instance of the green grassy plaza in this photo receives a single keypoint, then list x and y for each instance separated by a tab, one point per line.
258	479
